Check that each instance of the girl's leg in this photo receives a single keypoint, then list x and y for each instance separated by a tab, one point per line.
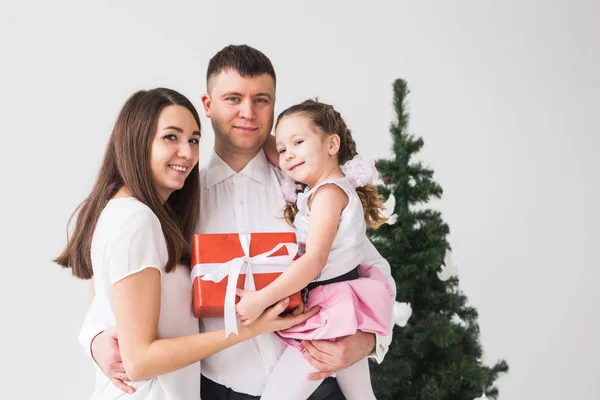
355	381
288	380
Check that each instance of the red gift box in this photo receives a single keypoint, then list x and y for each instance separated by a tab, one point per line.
216	257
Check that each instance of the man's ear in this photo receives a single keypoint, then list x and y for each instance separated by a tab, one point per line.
206	103
334	144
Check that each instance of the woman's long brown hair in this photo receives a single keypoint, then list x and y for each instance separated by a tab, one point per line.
126	163
328	121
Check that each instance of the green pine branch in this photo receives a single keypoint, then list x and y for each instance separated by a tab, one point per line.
438	354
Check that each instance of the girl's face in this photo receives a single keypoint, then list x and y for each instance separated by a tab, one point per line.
303	151
174	150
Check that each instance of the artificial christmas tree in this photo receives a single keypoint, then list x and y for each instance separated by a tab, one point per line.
437	355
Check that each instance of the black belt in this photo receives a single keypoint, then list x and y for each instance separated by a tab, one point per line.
348	276
211	390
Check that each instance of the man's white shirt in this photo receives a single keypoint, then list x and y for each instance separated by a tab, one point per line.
248	201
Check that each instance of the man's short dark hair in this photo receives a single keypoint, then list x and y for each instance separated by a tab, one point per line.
246	60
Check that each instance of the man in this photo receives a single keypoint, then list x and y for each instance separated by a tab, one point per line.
240	192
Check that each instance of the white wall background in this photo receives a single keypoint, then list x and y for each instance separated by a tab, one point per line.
503	93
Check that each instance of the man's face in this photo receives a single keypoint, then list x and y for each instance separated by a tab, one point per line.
241	110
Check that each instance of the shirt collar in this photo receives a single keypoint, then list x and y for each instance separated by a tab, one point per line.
257	169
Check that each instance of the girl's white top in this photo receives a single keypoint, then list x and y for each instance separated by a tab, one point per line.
128	238
347	250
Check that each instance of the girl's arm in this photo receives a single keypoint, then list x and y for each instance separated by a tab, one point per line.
137	310
327	204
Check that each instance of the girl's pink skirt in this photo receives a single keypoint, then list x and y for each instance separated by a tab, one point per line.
363	304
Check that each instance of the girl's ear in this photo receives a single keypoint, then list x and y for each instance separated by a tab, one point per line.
334	144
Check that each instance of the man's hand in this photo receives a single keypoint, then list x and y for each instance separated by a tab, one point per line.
105	351
271	150
251	305
330	357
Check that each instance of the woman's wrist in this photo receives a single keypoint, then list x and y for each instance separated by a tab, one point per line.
249	331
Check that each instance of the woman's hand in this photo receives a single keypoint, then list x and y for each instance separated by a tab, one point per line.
271	320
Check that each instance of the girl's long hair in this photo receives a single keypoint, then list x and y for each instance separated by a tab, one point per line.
328	121
126	163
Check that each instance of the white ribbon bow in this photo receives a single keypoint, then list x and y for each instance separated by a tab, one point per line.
232	269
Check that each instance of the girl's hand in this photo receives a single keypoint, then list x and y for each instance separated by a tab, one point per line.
271	320
251	305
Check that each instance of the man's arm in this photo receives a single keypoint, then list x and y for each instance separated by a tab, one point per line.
92	326
97	338
330	357
372	257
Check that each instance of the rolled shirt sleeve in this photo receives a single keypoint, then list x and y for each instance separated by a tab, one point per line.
372	257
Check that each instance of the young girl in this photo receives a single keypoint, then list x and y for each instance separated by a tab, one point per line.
316	148
131	232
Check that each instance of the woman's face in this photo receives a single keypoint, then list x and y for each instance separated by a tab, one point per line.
174	150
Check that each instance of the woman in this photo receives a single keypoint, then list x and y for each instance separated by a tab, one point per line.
130	234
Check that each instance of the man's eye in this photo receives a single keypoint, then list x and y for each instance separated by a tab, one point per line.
263	101
232	99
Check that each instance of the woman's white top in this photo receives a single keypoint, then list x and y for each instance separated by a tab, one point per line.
347	250
128	238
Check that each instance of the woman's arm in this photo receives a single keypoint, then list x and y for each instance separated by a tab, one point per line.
327	204
137	309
